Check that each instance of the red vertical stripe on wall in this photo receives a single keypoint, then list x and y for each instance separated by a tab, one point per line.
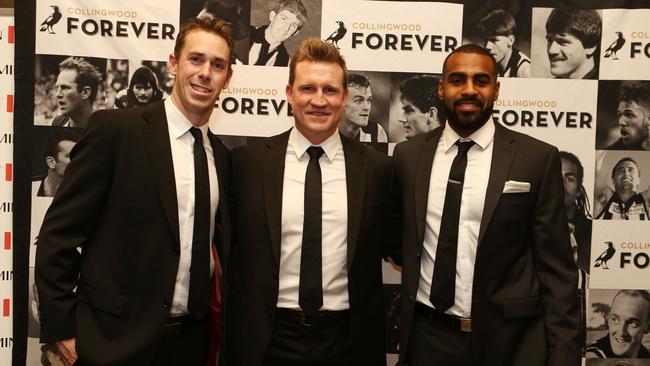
11	34
5	307
7	240
9	172
10	103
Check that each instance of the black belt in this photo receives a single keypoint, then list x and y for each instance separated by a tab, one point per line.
313	319
458	323
177	323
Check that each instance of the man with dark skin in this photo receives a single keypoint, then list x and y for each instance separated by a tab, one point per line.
487	272
633	114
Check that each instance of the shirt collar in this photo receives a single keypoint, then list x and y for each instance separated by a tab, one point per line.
178	123
482	137
300	144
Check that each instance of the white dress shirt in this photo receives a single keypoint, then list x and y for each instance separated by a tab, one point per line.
182	145
335	222
477	173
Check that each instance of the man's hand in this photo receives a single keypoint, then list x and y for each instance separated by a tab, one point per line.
68	351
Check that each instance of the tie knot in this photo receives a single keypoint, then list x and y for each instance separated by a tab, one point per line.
198	136
464	146
315	152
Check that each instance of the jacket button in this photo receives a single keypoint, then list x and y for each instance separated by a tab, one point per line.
417	255
411	299
166	304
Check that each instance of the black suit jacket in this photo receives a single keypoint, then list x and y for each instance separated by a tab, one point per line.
118	203
258	172
525	307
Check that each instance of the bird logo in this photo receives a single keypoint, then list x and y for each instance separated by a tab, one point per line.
605	256
51	20
337	35
615	46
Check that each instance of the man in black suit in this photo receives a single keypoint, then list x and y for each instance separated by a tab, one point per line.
140	199
309	232
488	275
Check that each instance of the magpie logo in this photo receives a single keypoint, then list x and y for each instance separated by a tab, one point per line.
615	46
52	20
605	256
338	34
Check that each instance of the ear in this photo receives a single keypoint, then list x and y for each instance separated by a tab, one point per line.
511	40
227	82
288	90
432	116
172	64
50	162
272	15
590	51
496	90
441	90
85	92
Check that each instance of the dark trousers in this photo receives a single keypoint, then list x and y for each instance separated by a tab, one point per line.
294	344
432	343
188	347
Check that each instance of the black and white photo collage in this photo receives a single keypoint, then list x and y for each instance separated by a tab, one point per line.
578	78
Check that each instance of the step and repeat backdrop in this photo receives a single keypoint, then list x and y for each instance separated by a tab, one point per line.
577	77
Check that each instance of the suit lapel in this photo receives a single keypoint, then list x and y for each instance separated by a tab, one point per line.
502	156
222	167
159	155
422	179
273	176
355	178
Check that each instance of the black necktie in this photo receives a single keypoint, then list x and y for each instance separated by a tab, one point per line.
443	282
311	262
198	298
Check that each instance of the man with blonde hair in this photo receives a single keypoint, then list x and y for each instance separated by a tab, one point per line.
307	273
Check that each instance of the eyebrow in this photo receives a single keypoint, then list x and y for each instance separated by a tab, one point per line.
463	74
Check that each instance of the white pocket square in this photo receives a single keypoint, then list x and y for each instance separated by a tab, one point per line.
512	186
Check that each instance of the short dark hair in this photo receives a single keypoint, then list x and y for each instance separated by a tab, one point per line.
358	81
582	201
422	91
316	50
471	48
565	155
627	158
212	25
87	75
497	23
51	146
584	24
636	91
